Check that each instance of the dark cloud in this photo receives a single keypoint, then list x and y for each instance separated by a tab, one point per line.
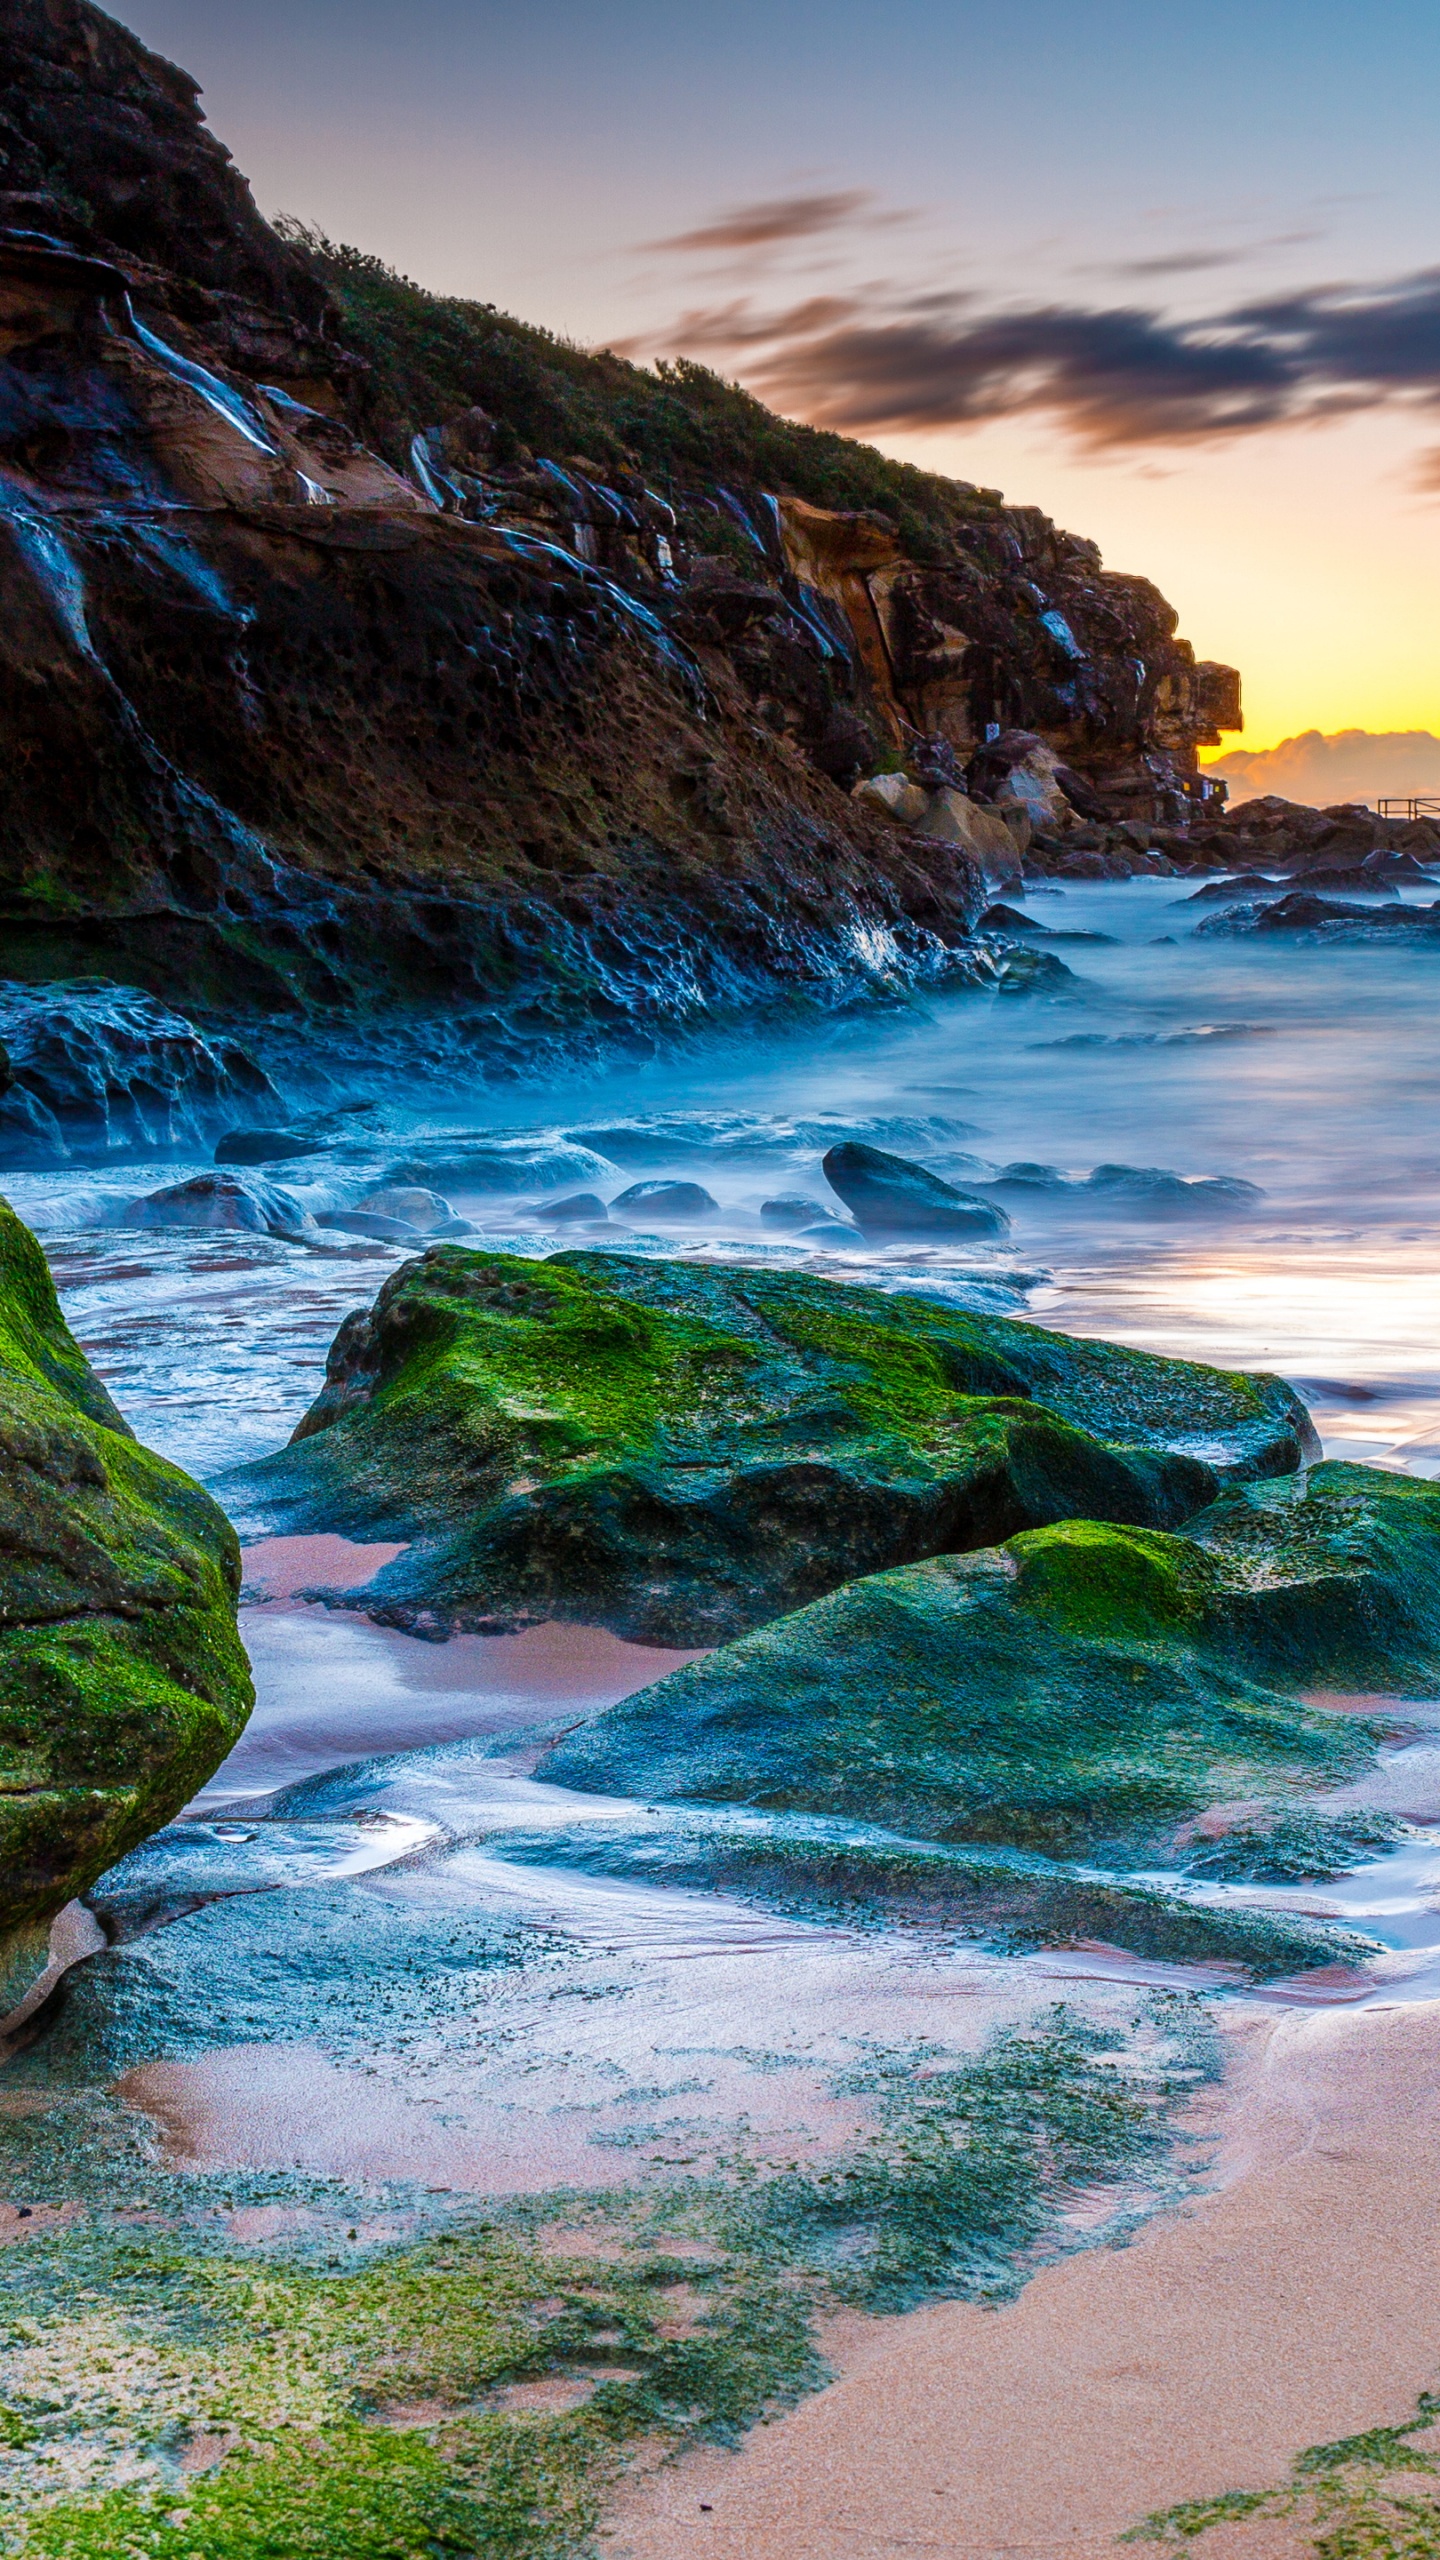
768	224
1179	262
1115	377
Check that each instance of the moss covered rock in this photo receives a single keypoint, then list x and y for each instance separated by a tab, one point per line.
683	1451
1084	1687
122	1678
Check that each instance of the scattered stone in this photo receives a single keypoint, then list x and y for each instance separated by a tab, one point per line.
1032	1178
888	1196
1033	973
665	1200
121	1673
367	1222
680	1450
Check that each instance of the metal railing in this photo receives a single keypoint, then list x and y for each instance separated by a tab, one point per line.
1419	805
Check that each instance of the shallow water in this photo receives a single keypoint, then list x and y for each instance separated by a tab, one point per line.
1311	1071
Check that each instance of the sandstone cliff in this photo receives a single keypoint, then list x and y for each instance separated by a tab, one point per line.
360	649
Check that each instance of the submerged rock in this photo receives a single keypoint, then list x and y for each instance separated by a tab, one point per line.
1082	1687
890	1197
97	1070
122	1679
681	1451
499	1165
579	1208
1150	1187
790	1210
245	1202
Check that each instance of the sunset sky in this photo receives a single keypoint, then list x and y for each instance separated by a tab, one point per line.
1173	276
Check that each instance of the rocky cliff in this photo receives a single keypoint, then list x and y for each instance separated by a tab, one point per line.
361	650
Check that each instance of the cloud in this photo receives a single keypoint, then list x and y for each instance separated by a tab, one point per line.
772	222
874	361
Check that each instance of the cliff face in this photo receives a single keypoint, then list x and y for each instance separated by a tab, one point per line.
325	685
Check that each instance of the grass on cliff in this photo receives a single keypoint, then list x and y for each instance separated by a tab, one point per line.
433	354
166	2395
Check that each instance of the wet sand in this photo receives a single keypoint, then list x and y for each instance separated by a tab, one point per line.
1298	2302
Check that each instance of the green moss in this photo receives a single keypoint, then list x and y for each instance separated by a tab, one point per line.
1082	1687
122	1679
684	1451
1361	2498
357	2402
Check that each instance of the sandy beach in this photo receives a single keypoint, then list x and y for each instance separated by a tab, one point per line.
1294	2302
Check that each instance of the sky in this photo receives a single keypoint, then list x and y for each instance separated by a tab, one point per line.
1173	276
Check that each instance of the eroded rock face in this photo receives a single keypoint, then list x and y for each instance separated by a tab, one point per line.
122	1679
681	1451
354	703
1083	1687
98	1070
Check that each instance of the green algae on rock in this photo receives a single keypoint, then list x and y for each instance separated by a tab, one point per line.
682	1451
1008	1898
122	1678
1083	1686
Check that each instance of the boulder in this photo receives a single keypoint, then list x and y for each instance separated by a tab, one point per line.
1033	973
1083	1688
117	1071
423	1210
122	1679
952	817
665	1200
244	1202
579	1208
887	1196
893	796
680	1450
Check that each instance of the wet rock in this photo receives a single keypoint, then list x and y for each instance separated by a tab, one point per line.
116	1071
1082	1687
1229	893
679	1450
1004	919
665	1200
30	1135
122	1679
231	1200
791	1210
1152	1189
1033	973
1333	919
265	1146
889	1197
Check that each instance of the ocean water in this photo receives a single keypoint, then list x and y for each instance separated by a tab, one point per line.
1309	1071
